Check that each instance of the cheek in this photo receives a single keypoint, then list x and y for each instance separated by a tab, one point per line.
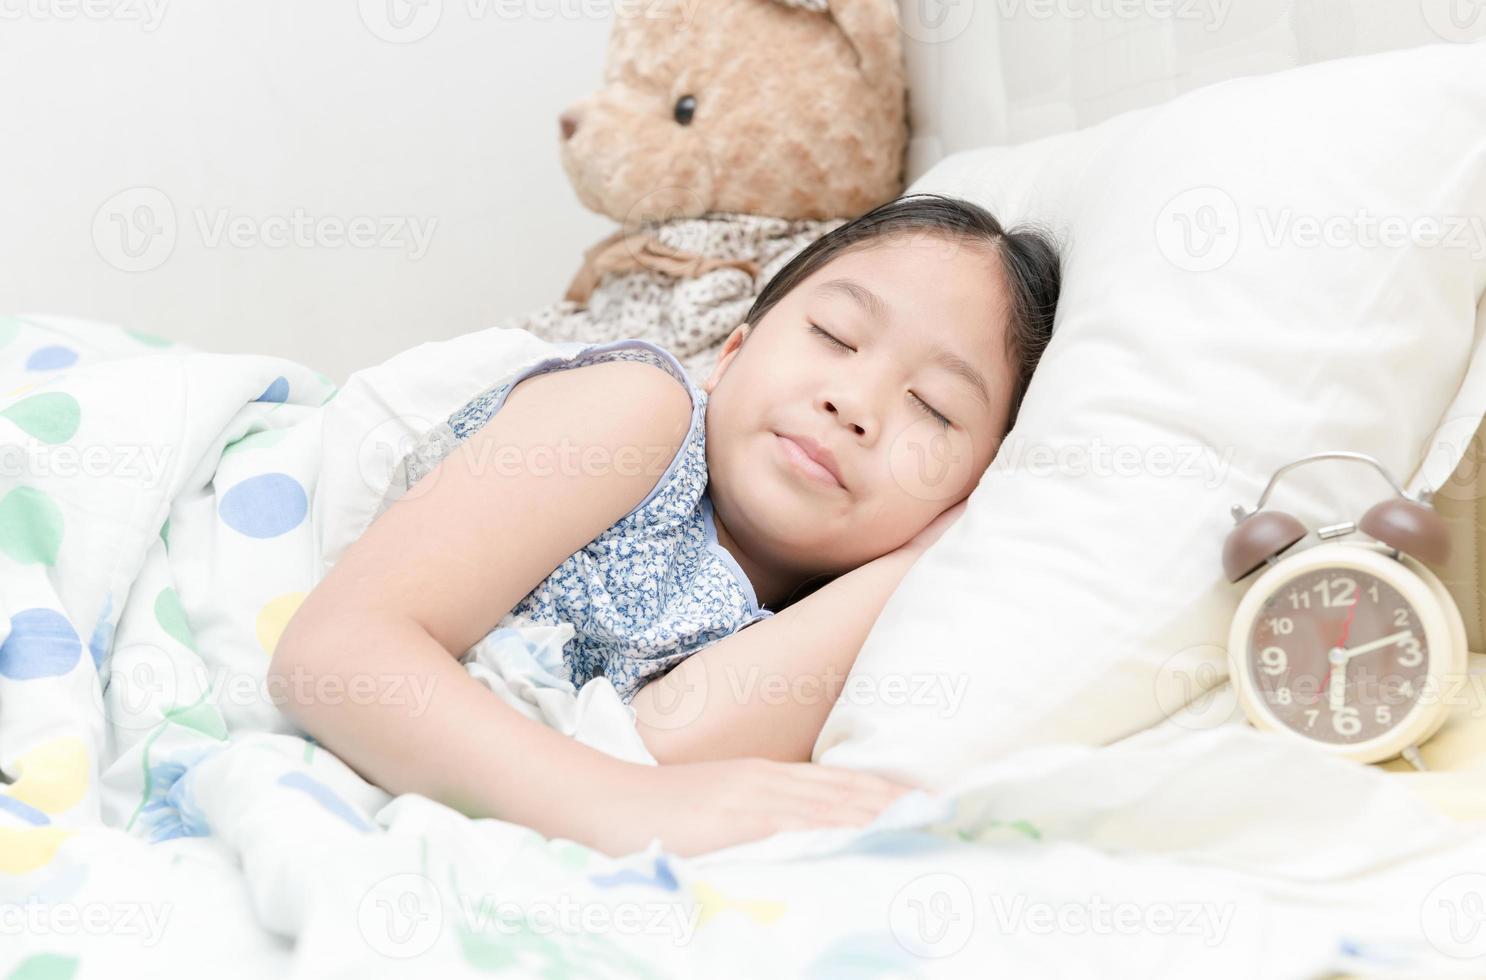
927	464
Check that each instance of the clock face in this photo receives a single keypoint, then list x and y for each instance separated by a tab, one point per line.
1338	655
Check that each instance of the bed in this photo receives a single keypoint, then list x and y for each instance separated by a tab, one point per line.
161	818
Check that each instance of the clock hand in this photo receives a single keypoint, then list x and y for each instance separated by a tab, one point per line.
1338	689
1398	637
1340	657
1340	644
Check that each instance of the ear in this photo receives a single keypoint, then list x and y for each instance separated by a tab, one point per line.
872	28
730	349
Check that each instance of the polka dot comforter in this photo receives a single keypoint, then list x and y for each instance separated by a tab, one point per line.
163	512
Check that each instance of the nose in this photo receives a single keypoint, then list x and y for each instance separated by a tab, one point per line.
568	123
832	406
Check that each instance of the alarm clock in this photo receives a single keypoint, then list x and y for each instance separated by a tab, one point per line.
1348	645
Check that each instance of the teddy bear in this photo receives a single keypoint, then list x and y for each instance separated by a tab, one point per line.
728	135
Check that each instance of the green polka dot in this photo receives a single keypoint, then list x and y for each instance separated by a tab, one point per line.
255	440
333	393
172	618
203	717
570	855
45	966
9	327
165	532
51	416
1023	827
30	527
148	339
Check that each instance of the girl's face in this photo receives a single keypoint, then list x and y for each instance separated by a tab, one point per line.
891	358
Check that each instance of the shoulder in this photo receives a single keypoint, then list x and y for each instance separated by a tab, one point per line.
616	397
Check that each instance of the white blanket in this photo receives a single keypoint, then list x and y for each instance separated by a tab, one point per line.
162	512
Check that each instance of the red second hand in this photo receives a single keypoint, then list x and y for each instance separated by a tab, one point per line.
1346	628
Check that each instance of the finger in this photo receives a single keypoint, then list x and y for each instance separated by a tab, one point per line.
826	821
837	798
855	780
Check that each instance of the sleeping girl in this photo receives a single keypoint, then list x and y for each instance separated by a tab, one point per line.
712	546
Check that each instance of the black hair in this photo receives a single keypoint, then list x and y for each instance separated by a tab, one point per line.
1028	255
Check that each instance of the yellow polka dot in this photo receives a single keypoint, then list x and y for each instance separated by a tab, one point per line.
712	902
274	616
18	391
23	851
53	777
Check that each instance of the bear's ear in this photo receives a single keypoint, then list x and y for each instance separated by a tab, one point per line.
871	27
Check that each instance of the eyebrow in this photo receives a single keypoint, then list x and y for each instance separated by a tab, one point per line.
875	308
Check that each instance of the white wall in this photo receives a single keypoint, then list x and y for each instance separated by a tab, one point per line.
180	114
200	112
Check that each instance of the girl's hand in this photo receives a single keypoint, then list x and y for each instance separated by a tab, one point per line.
705	806
920	542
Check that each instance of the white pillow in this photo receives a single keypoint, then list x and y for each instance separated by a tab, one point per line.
1207	334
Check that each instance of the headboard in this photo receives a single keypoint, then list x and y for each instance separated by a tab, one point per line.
987	72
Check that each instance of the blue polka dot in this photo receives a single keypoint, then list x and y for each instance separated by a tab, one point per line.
42	643
24	811
265	506
663	877
276	392
102	634
51	358
325	796
899	843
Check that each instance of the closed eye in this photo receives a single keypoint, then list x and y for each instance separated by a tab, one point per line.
830	339
930	410
923	405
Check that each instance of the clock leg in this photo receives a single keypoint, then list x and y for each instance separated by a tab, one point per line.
1411	754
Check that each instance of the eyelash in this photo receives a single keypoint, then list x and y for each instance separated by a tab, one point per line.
927	408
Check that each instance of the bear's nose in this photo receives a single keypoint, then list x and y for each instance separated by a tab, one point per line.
568	122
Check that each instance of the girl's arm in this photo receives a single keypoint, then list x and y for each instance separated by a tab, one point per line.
369	663
767	689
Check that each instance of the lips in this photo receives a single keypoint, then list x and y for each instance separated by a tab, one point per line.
816	453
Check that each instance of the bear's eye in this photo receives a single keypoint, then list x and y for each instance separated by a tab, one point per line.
686	107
